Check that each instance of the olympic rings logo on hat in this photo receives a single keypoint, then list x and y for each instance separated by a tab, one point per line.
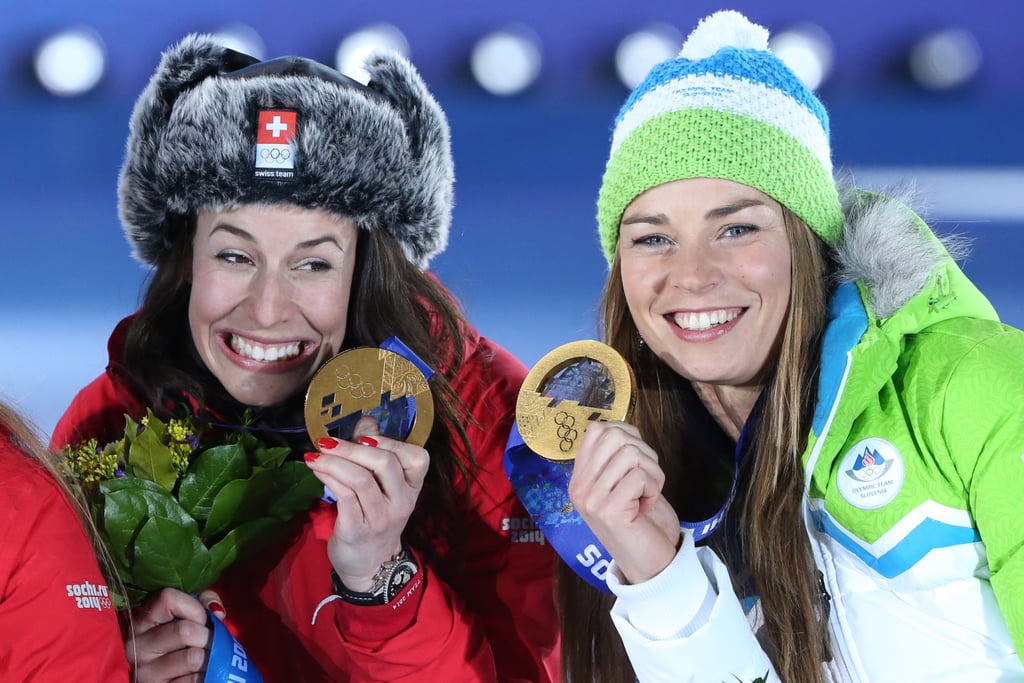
276	155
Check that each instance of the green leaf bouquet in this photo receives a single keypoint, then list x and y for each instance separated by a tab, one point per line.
174	512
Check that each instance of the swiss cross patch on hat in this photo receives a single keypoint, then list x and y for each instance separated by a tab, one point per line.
275	154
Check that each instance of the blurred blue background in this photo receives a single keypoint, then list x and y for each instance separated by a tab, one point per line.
523	256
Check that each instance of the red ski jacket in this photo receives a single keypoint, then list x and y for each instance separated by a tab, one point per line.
494	621
57	621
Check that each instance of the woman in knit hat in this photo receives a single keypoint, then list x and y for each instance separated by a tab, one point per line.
289	213
831	408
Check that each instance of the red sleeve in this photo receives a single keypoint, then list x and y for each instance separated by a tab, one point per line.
57	622
499	622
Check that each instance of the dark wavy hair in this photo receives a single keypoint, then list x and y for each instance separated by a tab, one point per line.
390	296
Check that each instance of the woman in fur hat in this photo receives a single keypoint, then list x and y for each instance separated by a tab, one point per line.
289	214
828	403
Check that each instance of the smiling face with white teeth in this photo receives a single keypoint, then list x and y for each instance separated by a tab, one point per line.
705	269
270	296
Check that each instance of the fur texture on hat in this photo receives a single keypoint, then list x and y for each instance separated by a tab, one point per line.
379	154
725	107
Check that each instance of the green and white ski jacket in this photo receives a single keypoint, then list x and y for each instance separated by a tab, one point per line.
914	487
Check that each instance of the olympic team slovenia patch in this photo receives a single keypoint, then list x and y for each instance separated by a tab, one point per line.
871	474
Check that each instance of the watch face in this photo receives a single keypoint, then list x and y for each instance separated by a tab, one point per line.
400	576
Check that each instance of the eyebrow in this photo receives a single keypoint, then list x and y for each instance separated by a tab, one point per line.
735	207
326	239
717	212
653	219
243	234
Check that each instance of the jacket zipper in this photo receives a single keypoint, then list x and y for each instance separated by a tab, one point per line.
838	645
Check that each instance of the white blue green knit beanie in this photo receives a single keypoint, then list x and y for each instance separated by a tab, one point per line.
728	108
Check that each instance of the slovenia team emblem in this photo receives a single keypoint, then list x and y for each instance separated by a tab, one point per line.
871	474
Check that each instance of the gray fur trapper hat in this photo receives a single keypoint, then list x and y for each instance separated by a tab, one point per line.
215	128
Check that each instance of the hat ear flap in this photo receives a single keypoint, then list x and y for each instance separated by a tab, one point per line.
424	223
181	68
192	60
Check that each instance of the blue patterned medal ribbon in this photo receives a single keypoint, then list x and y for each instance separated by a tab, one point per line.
543	487
228	662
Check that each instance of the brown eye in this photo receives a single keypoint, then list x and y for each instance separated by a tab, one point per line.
316	266
233	257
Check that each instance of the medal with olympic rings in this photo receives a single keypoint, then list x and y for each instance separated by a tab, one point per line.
379	382
568	388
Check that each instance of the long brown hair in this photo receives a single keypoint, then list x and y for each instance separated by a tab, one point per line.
772	538
390	296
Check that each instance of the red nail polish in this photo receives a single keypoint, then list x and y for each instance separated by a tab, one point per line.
310	457
368	441
327	442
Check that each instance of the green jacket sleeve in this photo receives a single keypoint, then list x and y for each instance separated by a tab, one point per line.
983	424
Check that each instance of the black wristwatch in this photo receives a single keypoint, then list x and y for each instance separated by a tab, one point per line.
392	576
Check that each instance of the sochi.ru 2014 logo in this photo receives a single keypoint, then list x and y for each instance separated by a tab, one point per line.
871	474
88	595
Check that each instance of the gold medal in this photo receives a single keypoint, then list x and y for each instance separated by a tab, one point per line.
569	387
373	381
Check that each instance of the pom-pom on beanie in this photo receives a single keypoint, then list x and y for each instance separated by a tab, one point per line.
727	108
215	128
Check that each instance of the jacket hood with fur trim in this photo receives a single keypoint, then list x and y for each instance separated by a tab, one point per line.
896	259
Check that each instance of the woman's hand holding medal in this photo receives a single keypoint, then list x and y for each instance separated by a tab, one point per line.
616	488
369	411
573	410
376	481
